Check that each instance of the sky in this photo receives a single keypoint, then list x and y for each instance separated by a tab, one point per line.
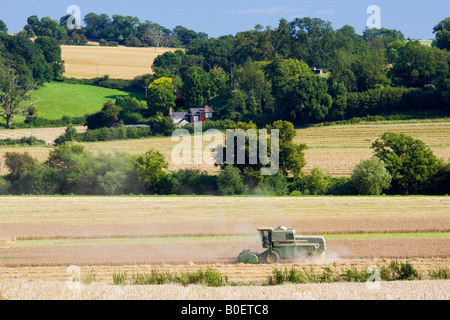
414	18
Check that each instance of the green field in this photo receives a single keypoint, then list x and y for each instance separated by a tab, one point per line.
59	99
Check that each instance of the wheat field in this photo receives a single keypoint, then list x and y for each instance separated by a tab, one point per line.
403	290
117	62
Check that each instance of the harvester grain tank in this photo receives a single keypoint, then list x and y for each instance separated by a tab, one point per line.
283	244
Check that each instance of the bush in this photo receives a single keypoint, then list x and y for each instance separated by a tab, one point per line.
230	181
440	183
188	181
273	185
4	186
209	278
316	182
18	163
47	123
371	177
69	135
22	141
163	126
340	186
120	133
395	271
38	181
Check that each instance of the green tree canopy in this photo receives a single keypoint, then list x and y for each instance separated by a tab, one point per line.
409	161
150	169
160	97
442	31
371	177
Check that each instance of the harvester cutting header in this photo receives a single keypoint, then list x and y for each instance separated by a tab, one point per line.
283	243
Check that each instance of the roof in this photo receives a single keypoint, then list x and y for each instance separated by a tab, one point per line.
178	115
138	126
198	110
265	229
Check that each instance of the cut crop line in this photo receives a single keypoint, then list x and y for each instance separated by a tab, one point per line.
160	240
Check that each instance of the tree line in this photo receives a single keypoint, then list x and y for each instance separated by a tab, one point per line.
266	75
115	30
261	75
401	165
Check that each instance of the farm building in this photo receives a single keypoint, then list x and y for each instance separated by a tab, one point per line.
317	71
193	115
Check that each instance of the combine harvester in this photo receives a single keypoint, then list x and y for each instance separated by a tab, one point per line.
283	243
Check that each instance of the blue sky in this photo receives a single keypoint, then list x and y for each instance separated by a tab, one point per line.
414	18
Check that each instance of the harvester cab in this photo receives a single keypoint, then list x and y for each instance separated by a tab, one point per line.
266	237
283	243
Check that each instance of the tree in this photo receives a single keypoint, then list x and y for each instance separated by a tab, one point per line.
292	155
18	163
316	182
3	27
156	35
300	96
104	118
185	35
313	40
409	161
150	168
196	87
418	65
46	27
442	31
371	177
370	70
98	26
385	35
230	181
52	53
161	96
13	95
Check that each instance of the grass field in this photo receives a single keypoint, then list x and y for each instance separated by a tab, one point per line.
117	62
57	99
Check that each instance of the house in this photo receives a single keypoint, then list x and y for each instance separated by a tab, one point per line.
317	71
192	116
178	117
201	114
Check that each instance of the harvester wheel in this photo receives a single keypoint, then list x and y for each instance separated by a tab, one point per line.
272	257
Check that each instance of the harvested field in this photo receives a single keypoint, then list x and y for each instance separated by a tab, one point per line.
47	134
148	230
117	62
239	273
403	290
338	149
40	237
118	210
201	252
